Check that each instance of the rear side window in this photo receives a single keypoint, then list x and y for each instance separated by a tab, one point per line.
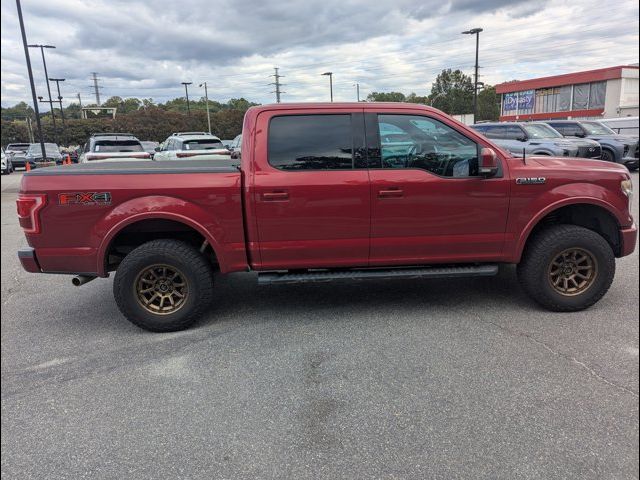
311	142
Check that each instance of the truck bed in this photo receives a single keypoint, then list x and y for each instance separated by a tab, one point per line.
77	235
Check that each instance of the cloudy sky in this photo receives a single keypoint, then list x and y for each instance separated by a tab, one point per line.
146	48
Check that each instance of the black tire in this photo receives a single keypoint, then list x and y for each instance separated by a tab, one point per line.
173	254
534	270
607	156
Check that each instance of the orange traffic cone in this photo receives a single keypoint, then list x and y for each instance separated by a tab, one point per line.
27	166
68	161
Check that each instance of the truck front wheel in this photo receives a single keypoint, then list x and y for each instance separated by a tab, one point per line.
566	268
164	285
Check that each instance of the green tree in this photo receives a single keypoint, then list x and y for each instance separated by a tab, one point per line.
18	111
452	92
386	97
488	104
413	98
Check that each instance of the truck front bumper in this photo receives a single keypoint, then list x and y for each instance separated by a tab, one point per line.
629	238
27	257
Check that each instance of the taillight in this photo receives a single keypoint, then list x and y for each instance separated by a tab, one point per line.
28	207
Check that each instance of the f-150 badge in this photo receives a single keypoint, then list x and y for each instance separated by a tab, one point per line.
530	180
85	198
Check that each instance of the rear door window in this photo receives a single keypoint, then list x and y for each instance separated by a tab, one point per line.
311	142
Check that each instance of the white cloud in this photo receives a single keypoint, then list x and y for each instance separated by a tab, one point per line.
147	49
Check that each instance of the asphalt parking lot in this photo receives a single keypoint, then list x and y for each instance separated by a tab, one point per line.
380	379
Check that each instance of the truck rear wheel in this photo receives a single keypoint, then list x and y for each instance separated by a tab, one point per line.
164	285
567	268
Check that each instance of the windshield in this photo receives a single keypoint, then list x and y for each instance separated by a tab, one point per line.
34	148
202	144
595	128
540	131
111	146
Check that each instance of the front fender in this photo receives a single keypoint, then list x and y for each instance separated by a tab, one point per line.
159	207
561	196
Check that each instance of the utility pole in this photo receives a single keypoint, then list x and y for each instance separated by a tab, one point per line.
46	76
330	75
206	98
358	91
476	32
33	86
58	80
186	92
278	85
96	87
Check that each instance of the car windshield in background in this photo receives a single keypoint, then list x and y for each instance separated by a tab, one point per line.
111	146
202	144
595	128
48	148
541	131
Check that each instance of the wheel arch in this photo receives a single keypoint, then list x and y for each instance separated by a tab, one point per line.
140	219
590	213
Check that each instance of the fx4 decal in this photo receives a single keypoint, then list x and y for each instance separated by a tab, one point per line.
530	180
85	198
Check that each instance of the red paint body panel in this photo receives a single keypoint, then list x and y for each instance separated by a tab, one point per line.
264	218
320	219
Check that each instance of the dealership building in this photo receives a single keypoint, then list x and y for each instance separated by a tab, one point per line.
603	93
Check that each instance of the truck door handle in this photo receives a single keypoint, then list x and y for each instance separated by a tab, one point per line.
275	196
391	192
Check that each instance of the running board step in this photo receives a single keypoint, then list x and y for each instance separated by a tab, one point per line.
485	270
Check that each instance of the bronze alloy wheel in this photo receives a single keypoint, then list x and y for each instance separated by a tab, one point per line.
572	271
161	289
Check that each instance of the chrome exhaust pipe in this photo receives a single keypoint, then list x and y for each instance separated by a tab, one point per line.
82	279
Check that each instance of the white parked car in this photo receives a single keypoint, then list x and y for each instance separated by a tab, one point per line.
192	145
113	147
7	166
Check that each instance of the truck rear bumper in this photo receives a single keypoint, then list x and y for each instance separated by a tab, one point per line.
629	237
28	260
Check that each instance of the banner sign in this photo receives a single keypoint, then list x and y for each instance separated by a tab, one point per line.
518	101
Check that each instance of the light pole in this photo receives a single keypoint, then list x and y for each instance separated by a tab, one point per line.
206	98
33	86
330	75
58	80
476	32
357	85
46	76
186	91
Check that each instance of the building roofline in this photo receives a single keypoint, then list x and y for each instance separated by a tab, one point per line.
599	74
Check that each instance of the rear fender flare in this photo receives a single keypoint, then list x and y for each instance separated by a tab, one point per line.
155	207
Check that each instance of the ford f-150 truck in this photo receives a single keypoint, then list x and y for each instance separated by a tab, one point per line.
320	194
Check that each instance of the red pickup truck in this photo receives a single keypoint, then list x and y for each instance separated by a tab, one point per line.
330	191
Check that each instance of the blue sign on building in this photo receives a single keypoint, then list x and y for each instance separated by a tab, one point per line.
518	101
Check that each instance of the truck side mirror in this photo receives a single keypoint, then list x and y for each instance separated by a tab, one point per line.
488	162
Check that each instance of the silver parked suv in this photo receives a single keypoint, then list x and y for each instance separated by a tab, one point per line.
615	147
537	138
